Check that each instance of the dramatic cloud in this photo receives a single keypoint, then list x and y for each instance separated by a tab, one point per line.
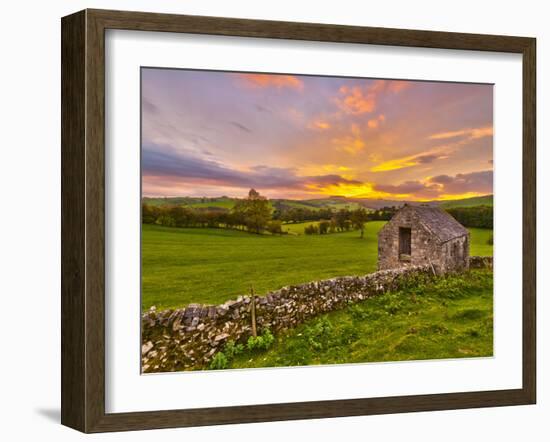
375	122
319	125
470	134
441	186
356	100
405	188
352	143
210	133
362	99
184	167
147	106
469	184
240	126
397	86
413	160
272	80
477	182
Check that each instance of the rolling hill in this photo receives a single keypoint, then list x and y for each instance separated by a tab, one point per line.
486	200
333	202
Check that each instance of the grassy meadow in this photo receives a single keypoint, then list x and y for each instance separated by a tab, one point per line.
450	318
209	266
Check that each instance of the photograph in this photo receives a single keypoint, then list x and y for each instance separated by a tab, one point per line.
302	220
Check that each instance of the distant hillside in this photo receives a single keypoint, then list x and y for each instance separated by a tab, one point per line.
333	202
196	203
486	200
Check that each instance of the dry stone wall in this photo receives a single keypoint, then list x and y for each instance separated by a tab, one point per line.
188	338
481	262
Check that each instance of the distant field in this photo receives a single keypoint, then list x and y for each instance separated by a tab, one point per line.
290	204
196	203
478	242
469	202
224	204
298	228
210	266
334	203
312	204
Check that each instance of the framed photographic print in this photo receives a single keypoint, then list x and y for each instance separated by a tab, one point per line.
268	220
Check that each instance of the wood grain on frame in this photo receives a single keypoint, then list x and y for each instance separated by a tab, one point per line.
83	220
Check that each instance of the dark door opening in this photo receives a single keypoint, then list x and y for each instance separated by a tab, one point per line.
404	241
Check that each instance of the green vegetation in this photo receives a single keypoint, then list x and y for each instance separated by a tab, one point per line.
221	203
334	203
298	228
210	266
486	200
478	216
451	317
191	265
479	242
255	344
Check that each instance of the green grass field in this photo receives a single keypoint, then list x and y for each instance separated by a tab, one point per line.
450	318
298	228
478	242
210	266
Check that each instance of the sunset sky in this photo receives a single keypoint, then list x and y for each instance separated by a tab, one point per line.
288	136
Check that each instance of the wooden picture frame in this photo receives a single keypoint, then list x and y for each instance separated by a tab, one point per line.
83	220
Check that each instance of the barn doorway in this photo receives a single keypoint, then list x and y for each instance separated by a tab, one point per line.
404	242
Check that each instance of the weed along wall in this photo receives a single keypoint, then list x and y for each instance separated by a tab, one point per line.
189	338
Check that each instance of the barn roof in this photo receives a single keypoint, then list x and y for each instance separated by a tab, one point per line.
439	222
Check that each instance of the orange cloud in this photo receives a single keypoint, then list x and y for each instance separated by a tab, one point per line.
349	144
397	86
356	100
375	122
319	124
359	100
352	143
470	133
409	161
323	169
273	80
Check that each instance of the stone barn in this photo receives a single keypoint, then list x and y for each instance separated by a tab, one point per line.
419	235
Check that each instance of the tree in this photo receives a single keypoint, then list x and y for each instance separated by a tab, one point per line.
340	218
312	229
358	218
254	211
149	214
323	227
274	227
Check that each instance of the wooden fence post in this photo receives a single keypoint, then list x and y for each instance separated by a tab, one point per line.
253	311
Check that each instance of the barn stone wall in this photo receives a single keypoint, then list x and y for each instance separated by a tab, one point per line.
481	262
425	247
183	339
458	258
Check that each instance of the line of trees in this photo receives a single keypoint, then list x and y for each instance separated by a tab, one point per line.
342	221
477	216
252	214
300	214
256	215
